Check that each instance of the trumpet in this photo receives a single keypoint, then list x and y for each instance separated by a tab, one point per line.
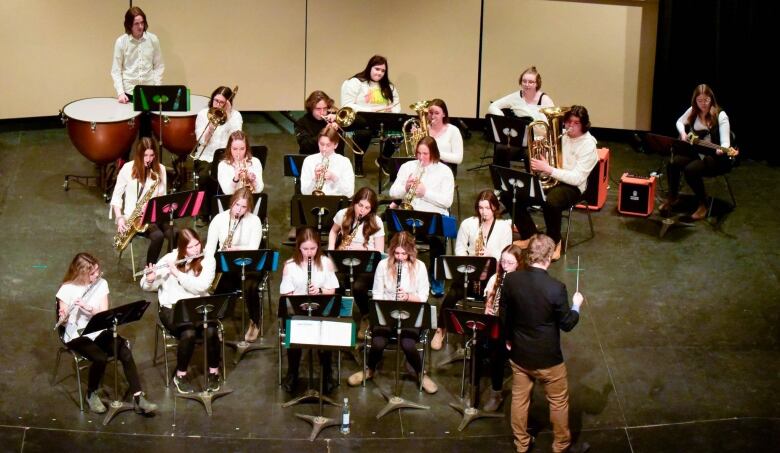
406	203
186	259
73	306
243	176
217	117
345	116
319	183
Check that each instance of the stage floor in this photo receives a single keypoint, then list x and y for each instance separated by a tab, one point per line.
676	350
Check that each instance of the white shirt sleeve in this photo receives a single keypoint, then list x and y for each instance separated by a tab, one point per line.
398	189
724	129
158	66
395	107
440	192
349	93
451	145
503	103
117	65
462	240
682	121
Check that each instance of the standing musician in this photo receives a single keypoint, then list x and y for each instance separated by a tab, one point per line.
430	186
705	119
411	285
327	171
370	90
239	168
533	309
448	137
238	229
480	235
183	274
133	182
309	271
579	158
83	294
137	57
318	116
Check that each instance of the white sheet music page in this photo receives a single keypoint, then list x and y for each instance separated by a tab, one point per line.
304	331
336	333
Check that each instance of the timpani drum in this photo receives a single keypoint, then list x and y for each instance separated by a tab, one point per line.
101	129
178	128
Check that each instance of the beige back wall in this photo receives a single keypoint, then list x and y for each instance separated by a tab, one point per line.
597	54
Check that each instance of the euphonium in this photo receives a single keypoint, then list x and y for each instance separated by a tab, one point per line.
319	183
548	147
133	222
417	127
406	203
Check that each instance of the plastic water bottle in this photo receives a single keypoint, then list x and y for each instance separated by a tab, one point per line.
345	417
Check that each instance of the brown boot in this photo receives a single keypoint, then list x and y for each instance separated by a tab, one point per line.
557	253
494	401
700	212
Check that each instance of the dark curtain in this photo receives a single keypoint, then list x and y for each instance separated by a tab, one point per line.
713	42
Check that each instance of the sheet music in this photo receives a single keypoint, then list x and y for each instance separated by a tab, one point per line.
334	333
316	332
305	331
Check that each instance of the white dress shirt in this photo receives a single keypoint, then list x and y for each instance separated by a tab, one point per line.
579	158
385	284
130	187
365	96
186	286
294	276
77	319
339	166
450	144
136	62
221	134
359	239
226	175
500	237
247	234
439	187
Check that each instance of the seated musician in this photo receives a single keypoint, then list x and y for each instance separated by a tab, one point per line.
318	116
495	349
447	136
83	294
309	271
370	90
705	119
238	167
327	171
183	274
579	158
133	183
428	185
412	286
480	235
238	229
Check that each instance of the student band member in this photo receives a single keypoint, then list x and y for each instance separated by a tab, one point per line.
318	116
327	171
413	287
447	136
185	273
238	167
137	56
83	294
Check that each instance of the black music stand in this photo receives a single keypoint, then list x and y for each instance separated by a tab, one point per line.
505	132
243	261
171	98
323	306
111	319
350	262
174	206
319	422
203	311
315	211
520	184
293	164
473	326
220	203
421	222
404	314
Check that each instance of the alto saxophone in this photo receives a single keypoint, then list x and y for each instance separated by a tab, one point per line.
346	240
479	244
494	299
319	183
225	245
133	222
406	203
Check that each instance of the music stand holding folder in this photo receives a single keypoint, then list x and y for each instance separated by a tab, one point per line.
475	327
203	311
505	132
315	211
171	98
174	206
522	186
422	222
351	262
111	319
243	261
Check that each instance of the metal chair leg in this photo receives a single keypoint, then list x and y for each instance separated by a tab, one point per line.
78	382
132	258
56	367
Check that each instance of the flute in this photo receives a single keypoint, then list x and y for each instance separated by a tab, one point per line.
165	265
73	306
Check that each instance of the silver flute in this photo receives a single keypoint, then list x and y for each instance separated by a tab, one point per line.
73	306
186	259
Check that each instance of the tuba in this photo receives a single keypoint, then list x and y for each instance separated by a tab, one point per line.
121	240
547	147
319	183
414	129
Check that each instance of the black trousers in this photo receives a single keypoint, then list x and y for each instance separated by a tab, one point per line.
559	198
187	339
157	233
380	337
99	351
695	170
494	350
294	361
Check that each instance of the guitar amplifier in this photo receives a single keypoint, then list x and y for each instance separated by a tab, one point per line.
598	183
636	195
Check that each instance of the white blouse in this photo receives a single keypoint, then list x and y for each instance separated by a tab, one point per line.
450	144
221	134
247	235
439	187
186	286
294	276
226	174
359	238
68	293
385	285
500	237
339	165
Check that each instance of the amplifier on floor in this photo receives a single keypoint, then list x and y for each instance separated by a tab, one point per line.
636	195
598	183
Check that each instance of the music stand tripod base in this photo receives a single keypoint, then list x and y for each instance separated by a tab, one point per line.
472	413
205	397
310	394
115	408
397	402
318	423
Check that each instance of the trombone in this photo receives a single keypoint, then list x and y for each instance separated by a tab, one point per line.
217	117
345	116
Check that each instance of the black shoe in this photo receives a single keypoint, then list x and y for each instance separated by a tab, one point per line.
142	406
290	382
182	386
213	383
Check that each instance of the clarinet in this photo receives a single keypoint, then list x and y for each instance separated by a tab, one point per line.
85	295
398	268
308	274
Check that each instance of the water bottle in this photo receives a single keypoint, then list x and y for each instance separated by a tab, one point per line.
345	417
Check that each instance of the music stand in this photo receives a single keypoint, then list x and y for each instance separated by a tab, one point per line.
471	325
220	203
173	206
293	164
315	211
171	98
203	311
503	131
323	306
422	222
111	319
522	185
244	261
404	314
350	262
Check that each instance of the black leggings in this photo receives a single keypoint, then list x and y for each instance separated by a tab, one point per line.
294	361
380	337
157	233
187	339
695	170
495	351
99	351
